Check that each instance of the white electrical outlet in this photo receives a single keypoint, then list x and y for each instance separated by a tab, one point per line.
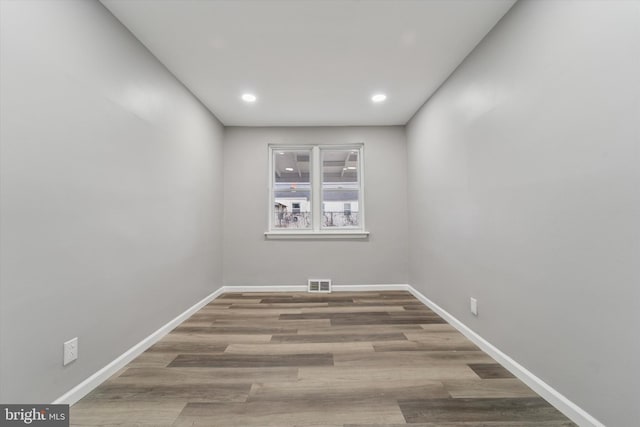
70	351
474	306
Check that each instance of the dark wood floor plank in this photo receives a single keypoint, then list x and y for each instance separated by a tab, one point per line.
230	301
490	370
335	315
250	360
417	306
187	347
249	330
482	409
382	320
318	338
357	329
274	323
209	392
218	318
424	346
376	303
306	300
278	305
385	301
565	423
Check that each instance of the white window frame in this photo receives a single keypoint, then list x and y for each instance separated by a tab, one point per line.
315	172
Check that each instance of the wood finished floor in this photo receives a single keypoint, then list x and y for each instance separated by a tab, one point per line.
365	359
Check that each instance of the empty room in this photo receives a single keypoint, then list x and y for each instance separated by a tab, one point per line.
339	213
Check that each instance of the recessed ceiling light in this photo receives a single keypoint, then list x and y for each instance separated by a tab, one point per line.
379	97
289	169
249	97
281	153
351	168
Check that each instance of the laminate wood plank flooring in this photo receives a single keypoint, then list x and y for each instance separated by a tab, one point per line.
346	359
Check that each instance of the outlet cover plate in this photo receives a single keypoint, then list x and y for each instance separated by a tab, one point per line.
70	351
474	306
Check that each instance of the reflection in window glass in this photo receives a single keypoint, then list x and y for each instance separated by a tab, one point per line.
292	189
340	188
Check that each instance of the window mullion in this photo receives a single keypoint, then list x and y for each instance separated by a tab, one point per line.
316	187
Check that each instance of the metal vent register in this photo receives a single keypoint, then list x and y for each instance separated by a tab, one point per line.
319	285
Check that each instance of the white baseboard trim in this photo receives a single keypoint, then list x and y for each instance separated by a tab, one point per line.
269	288
303	288
365	288
86	386
554	397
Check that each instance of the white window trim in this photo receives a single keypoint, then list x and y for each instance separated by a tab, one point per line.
316	232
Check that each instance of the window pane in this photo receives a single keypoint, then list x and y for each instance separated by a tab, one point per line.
340	188
292	189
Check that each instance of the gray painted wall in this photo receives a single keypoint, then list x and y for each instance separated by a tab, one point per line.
523	192
249	259
110	195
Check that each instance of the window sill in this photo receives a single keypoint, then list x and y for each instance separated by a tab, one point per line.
315	235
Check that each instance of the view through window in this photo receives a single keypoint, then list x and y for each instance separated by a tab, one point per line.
292	189
340	189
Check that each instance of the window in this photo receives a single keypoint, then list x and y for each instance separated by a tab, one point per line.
316	191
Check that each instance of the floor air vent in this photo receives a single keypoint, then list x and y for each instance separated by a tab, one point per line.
319	285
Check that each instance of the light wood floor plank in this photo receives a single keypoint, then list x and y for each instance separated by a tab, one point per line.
282	413
162	376
507	387
393	336
388	373
125	412
301	348
313	390
409	358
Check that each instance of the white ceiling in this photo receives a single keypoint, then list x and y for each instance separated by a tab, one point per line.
310	62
